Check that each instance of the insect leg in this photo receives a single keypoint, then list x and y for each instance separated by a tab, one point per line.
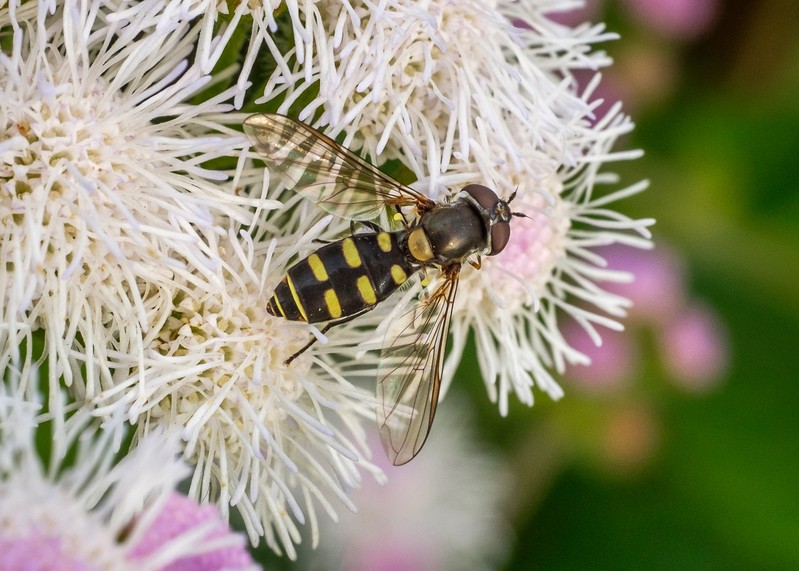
324	330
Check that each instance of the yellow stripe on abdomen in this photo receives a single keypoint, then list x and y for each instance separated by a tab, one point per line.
296	298
279	307
384	241
366	290
398	274
333	305
317	267
351	255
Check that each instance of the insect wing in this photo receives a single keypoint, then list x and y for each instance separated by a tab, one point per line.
337	180
409	379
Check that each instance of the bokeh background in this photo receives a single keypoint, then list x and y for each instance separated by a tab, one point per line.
680	448
714	88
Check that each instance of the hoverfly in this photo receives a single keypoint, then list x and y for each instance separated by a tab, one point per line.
346	278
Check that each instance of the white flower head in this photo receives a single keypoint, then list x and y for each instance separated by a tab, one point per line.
441	81
476	92
277	442
152	271
515	303
98	514
102	176
146	259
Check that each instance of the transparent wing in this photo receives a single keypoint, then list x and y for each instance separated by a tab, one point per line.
409	378
323	171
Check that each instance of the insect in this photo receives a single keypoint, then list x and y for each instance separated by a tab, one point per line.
347	278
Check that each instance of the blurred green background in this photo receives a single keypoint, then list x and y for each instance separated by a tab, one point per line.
718	116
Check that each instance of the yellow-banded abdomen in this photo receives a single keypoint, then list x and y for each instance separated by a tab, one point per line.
343	278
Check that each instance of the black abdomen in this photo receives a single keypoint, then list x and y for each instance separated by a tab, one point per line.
342	279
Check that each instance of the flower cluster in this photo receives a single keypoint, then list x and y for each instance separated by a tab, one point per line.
103	181
91	514
140	239
463	92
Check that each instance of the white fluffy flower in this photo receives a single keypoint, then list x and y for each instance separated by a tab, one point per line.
515	303
443	81
484	92
102	177
132	256
95	514
277	442
151	270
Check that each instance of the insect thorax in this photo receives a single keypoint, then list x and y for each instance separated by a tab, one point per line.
455	231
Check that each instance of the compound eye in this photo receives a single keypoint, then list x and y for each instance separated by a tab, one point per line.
484	196
500	234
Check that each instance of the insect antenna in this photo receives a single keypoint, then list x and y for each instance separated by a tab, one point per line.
517	214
